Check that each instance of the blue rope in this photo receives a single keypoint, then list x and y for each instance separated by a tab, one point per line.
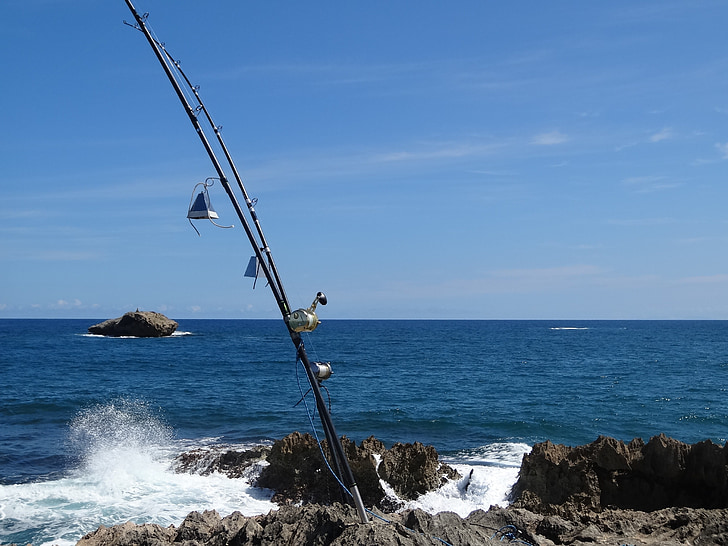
326	461
510	532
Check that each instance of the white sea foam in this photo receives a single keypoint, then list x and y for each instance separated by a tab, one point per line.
174	334
125	474
489	473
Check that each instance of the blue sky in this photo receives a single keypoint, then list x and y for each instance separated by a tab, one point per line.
495	160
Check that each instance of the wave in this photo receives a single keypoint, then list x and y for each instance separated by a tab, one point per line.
125	473
569	328
488	475
174	334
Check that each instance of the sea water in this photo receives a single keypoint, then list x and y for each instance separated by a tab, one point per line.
90	426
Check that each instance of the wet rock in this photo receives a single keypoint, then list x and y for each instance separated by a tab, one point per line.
232	463
136	324
414	469
297	472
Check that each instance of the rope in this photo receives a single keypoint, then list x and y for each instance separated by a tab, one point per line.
512	534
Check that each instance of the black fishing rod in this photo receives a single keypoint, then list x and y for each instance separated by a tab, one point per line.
300	320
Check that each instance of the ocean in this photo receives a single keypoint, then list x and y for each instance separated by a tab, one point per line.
90	426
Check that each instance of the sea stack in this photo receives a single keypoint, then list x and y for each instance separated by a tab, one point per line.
136	324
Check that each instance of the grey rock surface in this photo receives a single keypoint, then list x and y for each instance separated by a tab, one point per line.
136	324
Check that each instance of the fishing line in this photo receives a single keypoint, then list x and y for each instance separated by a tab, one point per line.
331	470
313	427
297	321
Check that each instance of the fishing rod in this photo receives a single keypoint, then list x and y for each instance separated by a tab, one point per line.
298	321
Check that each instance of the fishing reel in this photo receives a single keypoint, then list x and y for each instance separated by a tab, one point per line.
322	370
306	320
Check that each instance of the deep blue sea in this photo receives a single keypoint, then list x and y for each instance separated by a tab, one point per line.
89	426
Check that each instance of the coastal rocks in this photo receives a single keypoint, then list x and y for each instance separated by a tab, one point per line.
136	324
414	469
565	495
567	481
312	524
338	525
232	463
297	473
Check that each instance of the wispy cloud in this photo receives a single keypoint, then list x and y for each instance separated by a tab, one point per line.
534	279
722	149
649	184
549	139
665	134
436	152
640	222
63	304
548	272
705	279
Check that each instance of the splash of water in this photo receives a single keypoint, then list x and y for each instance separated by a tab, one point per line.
124	473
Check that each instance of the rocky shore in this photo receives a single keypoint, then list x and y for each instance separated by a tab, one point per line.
661	492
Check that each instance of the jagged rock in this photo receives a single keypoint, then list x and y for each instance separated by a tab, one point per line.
556	479
296	471
313	525
339	525
130	534
232	463
136	324
414	469
556	474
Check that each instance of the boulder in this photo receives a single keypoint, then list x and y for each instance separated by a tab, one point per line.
232	463
297	472
136	324
559	480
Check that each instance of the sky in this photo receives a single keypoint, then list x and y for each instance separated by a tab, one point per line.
411	159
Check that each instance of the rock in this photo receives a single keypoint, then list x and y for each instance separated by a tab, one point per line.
414	469
561	494
129	534
136	324
338	525
556	479
297	473
232	463
312	524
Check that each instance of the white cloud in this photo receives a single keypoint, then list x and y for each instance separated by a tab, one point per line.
641	222
63	304
549	139
665	134
705	279
647	184
722	149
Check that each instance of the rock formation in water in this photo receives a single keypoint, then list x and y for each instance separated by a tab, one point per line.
136	324
296	471
556	479
661	493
